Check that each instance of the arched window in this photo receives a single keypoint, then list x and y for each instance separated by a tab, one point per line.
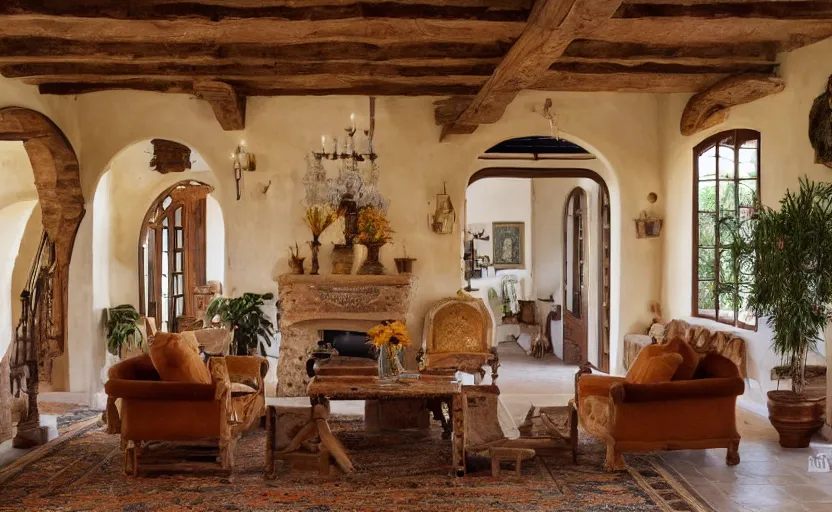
726	184
172	253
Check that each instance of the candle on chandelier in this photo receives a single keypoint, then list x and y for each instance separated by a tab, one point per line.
352	121
323	143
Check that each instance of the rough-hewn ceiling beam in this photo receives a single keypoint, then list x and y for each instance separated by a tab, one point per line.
587	50
260	30
50	49
552	25
802	10
710	107
290	11
367	88
702	31
229	106
231	71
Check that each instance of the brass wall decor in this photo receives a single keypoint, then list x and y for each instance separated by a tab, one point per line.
444	217
243	161
169	156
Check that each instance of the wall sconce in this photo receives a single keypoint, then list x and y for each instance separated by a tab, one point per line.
243	161
443	219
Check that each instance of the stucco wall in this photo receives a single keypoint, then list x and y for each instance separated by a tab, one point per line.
620	128
502	200
786	155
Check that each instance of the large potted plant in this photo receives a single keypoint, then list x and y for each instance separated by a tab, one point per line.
123	330
789	253
245	318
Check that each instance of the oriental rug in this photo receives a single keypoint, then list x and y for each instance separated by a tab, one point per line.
402	471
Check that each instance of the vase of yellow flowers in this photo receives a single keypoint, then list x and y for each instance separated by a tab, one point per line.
390	337
318	218
373	232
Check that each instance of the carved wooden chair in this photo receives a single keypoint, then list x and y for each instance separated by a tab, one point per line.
458	337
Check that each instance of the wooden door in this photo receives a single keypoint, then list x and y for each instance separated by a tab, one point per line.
574	278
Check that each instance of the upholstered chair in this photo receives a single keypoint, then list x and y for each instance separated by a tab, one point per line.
671	399
171	395
458	336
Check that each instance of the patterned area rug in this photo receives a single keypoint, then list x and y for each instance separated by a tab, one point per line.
408	471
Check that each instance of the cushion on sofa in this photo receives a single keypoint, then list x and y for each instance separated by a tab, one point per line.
639	366
690	359
660	368
176	358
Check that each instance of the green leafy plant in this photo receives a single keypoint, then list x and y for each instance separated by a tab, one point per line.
123	329
790	252
244	316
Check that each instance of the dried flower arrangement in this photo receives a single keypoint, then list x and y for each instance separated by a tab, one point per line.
318	218
373	227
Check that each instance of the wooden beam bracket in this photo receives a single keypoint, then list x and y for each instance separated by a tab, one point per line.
229	106
710	107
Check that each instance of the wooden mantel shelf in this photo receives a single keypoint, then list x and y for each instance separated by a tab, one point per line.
306	298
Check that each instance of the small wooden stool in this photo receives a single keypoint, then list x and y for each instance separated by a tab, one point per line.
500	453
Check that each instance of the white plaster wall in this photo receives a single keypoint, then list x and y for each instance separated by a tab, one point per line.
214	241
13	219
16	174
501	200
786	155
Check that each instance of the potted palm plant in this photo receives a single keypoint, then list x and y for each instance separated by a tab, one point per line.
123	330
244	316
789	253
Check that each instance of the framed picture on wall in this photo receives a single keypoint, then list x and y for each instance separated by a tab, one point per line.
509	243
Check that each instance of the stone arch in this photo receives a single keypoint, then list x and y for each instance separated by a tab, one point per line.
58	182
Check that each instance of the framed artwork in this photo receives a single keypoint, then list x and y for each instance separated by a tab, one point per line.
509	243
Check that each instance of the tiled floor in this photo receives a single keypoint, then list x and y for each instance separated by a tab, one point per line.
768	479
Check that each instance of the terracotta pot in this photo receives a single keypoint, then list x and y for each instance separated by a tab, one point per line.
372	265
795	417
404	265
342	259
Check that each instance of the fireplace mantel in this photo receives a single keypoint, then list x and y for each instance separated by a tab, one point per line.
343	297
309	304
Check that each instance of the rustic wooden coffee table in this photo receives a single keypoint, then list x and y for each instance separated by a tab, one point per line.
363	387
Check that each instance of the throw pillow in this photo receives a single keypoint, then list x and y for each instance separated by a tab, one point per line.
176	358
661	368
639	366
689	358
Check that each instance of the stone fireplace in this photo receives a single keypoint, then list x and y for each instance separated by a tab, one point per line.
311	304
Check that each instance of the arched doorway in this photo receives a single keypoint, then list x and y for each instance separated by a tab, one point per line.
172	253
43	331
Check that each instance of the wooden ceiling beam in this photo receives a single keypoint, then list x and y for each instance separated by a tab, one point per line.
50	49
236	71
229	106
789	34
281	10
646	82
586	50
609	68
297	10
803	10
265	88
263	31
710	107
552	25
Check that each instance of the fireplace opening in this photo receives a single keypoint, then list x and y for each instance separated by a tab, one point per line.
349	343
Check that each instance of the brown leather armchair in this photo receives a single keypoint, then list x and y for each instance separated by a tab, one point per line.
149	409
698	413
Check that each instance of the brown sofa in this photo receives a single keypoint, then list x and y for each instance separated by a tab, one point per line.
143	408
694	412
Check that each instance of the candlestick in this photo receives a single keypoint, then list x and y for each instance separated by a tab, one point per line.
352	121
323	143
